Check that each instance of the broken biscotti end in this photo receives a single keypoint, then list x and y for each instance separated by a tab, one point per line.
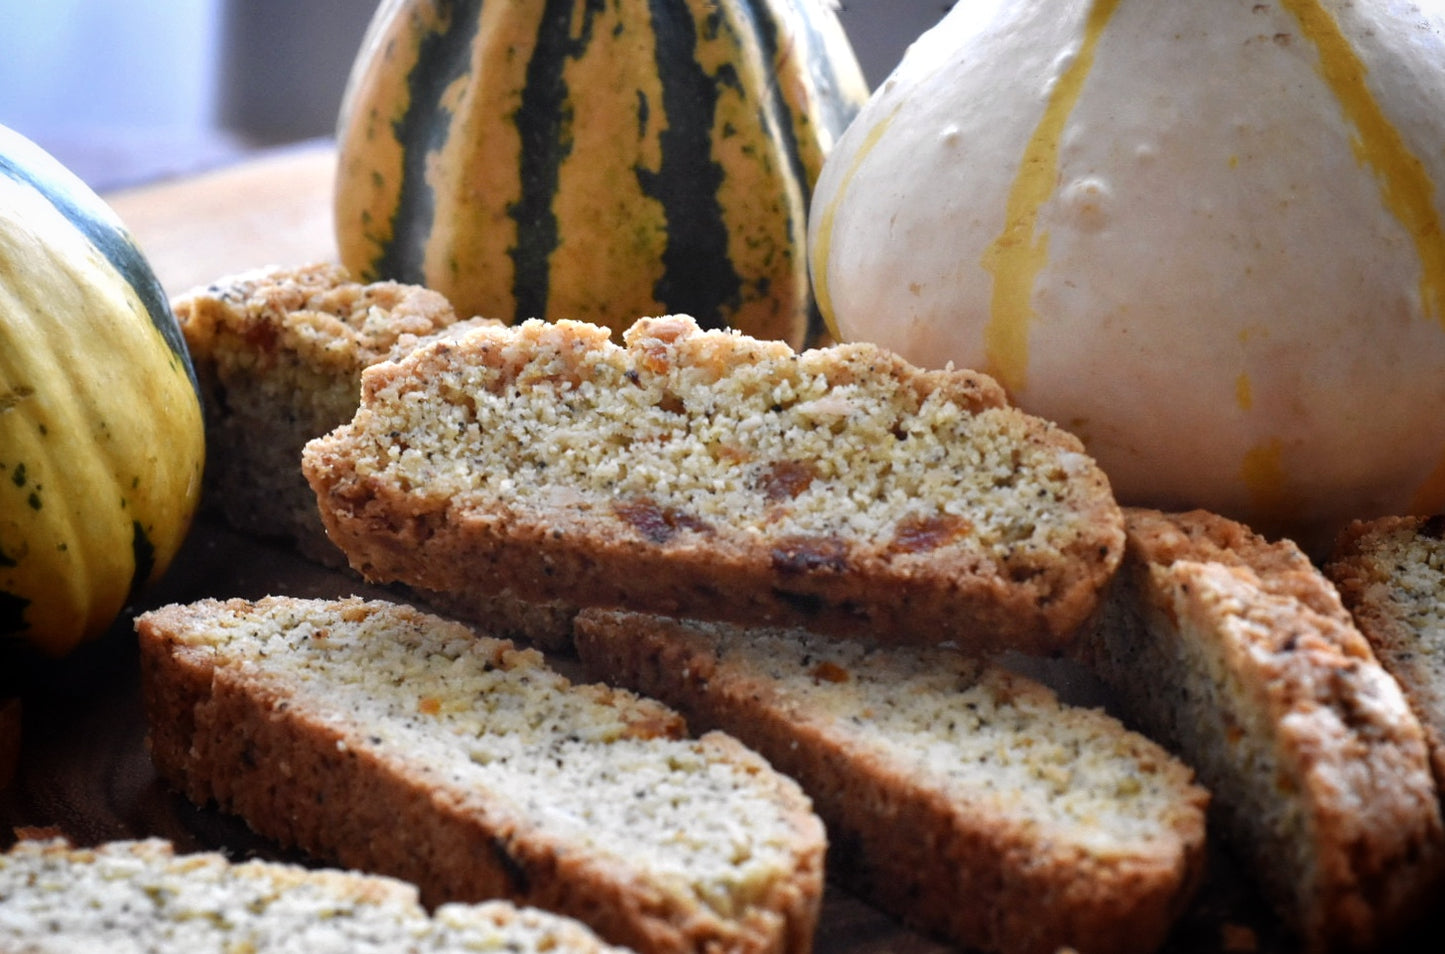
709	474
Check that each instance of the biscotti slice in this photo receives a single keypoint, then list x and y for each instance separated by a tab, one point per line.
713	475
1391	576
1238	653
389	740
134	896
964	799
279	354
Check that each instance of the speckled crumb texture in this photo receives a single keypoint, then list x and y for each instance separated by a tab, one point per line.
389	740
965	799
279	353
1391	575
135	896
712	475
1238	653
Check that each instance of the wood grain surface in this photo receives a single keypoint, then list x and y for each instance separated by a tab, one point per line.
83	769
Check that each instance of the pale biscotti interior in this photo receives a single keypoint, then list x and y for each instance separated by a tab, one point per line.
142	896
711	474
941	778
279	353
416	748
1238	653
1391	575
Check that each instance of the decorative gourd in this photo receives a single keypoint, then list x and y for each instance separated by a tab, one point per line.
101	437
1206	236
597	161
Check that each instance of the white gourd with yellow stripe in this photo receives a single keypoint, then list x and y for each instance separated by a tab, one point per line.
1205	236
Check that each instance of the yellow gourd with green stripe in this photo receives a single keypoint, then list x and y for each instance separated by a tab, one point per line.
595	160
101	438
1204	235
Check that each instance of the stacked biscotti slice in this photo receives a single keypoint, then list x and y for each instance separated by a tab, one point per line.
1237	653
142	896
388	740
708	474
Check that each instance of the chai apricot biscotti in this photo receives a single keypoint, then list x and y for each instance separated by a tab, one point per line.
143	896
1238	653
388	740
964	799
279	353
1390	572
713	475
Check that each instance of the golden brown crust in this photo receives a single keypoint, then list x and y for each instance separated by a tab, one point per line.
313	774
932	826
712	475
1391	576
1238	653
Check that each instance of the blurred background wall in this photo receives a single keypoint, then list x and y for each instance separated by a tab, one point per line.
124	91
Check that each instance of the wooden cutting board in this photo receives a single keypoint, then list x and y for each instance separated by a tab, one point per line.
272	210
84	771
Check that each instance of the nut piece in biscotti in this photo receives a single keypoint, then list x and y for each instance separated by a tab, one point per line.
1391	575
962	798
1238	653
389	740
713	475
279	354
143	896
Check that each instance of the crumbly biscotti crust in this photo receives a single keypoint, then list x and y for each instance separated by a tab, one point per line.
142	895
964	799
1391	576
279	353
393	741
1237	653
708	474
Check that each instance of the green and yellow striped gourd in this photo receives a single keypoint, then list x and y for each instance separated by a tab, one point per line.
595	159
101	436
